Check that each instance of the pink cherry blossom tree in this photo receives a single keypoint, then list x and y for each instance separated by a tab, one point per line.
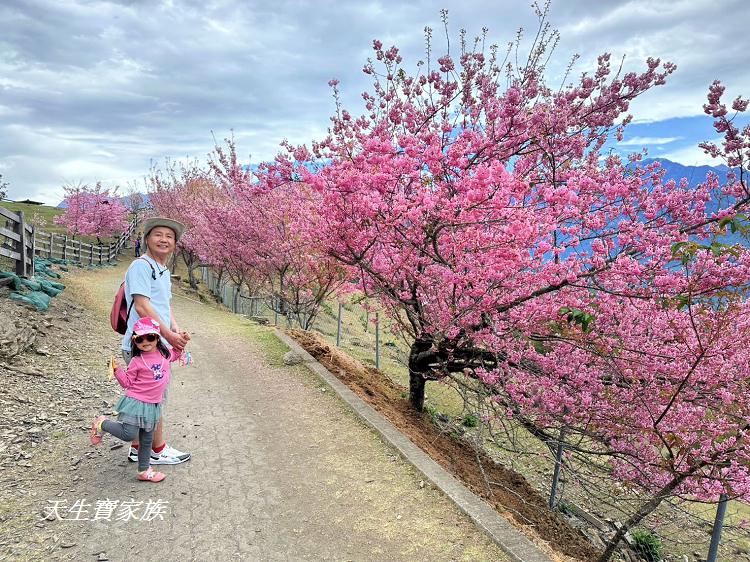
135	200
589	295
260	232
93	211
182	192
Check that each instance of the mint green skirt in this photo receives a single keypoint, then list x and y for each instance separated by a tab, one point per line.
134	412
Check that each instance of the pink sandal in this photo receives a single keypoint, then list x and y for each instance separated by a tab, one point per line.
96	433
150	475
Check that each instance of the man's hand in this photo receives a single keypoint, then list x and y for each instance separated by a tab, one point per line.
176	339
183	333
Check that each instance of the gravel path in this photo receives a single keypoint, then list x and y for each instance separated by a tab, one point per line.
281	470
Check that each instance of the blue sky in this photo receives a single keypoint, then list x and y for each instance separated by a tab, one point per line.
675	139
99	90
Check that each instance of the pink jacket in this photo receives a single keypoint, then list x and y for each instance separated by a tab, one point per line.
147	375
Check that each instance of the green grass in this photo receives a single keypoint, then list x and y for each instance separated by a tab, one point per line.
737	512
272	346
44	212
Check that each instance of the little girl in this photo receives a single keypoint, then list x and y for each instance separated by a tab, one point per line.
139	410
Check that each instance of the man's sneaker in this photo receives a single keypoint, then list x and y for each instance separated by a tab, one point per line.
169	455
133	454
150	475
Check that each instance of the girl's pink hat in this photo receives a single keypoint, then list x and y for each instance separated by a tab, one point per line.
146	325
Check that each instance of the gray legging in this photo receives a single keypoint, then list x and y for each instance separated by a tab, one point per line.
128	432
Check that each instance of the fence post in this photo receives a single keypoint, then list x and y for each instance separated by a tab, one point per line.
338	327
109	252
51	242
100	253
21	264
91	254
65	247
721	510
79	251
377	340
558	468
33	249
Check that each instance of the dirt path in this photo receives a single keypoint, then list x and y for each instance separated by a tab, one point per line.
281	470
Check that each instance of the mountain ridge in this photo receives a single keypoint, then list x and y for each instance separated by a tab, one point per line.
694	174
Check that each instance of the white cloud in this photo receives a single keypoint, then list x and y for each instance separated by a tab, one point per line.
648	141
691	156
99	89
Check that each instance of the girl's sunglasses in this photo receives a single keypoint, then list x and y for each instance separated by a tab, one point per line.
147	337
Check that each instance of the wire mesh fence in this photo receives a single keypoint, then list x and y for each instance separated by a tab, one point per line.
580	487
577	486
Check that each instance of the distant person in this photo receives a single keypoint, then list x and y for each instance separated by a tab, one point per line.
139	409
148	292
138	246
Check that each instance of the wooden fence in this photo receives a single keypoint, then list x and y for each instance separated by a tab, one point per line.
20	242
17	239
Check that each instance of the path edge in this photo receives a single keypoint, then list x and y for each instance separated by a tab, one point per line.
514	543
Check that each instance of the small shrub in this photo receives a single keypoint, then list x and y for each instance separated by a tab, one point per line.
565	508
470	420
648	545
431	410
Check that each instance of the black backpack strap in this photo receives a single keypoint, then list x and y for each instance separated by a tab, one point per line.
132	302
153	271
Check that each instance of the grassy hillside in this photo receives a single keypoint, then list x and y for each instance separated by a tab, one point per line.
44	212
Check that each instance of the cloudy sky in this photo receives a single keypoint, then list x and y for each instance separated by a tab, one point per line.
94	90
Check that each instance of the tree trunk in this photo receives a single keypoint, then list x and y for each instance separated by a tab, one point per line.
417	370
642	512
191	277
217	291
416	390
191	262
